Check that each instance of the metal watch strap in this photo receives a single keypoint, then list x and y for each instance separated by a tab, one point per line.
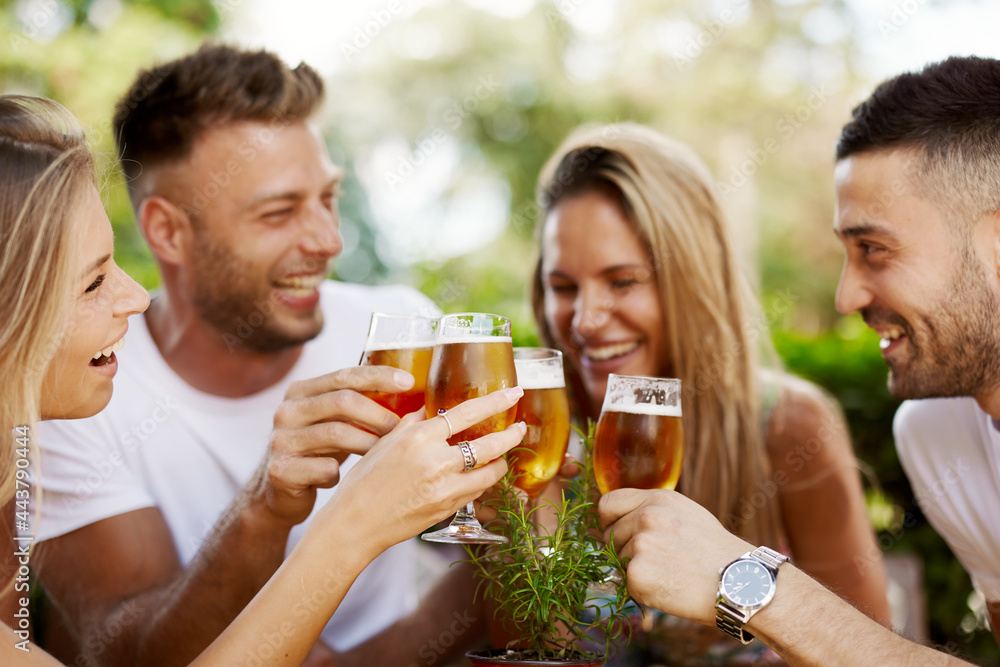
771	558
731	621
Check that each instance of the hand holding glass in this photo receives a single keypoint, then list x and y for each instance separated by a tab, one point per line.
404	342
472	357
639	442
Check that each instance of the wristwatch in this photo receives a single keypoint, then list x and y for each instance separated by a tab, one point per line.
745	587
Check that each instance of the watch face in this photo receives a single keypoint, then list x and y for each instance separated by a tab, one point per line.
748	583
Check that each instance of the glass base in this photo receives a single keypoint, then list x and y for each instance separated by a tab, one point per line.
464	529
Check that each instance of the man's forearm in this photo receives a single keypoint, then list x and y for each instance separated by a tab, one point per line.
236	560
809	626
140	609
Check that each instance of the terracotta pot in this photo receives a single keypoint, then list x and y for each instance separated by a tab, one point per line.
494	658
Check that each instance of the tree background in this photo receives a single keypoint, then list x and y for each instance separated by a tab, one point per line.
444	111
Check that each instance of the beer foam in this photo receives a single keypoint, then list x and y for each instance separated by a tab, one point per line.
538	378
448	340
653	409
410	345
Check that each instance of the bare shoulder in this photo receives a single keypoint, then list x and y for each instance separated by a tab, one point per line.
807	427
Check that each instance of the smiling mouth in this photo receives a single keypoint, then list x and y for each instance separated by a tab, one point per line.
888	336
103	358
606	352
299	286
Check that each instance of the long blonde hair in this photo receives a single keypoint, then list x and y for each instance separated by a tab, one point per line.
713	333
45	167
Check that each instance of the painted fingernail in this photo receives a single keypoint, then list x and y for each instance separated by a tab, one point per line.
514	393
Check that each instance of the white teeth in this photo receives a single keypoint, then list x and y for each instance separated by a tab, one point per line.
609	351
108	351
297	284
889	335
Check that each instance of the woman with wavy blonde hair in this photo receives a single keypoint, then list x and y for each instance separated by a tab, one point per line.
64	306
44	168
637	275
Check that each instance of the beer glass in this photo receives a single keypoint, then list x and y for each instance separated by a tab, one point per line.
639	442
544	409
472	357
404	342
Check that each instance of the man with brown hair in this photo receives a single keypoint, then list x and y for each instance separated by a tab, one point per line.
167	512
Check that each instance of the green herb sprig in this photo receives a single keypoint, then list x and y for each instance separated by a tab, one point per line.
539	580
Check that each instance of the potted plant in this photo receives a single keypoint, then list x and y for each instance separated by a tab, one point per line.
539	581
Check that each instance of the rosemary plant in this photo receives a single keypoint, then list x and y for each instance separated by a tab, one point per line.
539	581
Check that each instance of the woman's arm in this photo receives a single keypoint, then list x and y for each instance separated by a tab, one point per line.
821	499
408	481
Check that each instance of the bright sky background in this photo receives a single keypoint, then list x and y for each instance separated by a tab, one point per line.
925	33
420	221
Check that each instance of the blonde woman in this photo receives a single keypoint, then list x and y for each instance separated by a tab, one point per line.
64	306
637	275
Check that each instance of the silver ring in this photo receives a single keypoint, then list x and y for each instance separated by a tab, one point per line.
468	454
443	413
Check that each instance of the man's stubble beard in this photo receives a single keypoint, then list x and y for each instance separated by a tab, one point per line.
224	297
960	351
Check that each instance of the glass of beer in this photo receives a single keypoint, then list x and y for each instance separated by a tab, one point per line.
639	442
544	408
404	342
473	356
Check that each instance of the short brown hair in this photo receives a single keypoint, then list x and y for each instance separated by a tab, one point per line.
170	105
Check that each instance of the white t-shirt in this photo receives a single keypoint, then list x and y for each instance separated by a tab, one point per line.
161	443
950	451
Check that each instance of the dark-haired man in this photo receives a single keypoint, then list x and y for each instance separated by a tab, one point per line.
160	519
918	212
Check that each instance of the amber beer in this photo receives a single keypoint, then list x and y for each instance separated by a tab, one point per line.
468	367
639	442
414	359
544	409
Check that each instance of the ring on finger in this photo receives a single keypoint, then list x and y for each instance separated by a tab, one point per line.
444	414
468	454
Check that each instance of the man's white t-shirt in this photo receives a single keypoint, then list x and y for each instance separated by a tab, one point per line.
161	443
950	451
